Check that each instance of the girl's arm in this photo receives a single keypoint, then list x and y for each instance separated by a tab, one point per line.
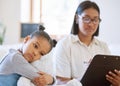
25	69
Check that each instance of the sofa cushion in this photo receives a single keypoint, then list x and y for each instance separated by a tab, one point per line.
5	48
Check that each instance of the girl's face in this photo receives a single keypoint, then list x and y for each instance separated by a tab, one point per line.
88	22
34	48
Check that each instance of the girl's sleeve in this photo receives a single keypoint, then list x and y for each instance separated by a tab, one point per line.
22	67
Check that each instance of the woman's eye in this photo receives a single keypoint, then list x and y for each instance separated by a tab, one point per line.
87	19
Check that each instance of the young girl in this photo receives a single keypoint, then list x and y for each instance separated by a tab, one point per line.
45	64
17	62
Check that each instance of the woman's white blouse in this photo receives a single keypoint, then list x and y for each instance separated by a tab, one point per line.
73	57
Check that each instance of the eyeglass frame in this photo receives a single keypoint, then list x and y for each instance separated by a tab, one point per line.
89	20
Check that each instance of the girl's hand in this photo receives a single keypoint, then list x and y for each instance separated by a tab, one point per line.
114	78
44	79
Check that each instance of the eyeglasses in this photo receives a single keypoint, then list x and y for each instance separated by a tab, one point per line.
88	20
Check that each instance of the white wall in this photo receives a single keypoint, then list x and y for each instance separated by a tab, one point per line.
10	16
109	27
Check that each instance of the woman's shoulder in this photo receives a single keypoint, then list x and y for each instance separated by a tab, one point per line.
103	45
68	38
100	42
66	42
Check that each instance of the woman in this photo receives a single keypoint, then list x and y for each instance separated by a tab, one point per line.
75	52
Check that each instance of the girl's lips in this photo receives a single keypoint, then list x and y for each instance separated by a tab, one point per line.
30	57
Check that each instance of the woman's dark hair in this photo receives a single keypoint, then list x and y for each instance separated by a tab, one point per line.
83	6
41	33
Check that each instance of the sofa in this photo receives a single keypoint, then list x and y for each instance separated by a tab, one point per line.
5	48
115	50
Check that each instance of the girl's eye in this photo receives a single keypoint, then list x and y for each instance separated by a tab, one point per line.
41	54
35	45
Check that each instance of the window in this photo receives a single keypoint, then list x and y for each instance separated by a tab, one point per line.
28	28
56	15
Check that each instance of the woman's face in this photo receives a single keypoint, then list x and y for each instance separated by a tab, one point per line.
88	22
34	48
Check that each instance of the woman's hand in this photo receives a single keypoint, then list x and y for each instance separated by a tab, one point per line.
114	77
43	80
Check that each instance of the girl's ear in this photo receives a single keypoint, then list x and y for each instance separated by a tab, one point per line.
26	39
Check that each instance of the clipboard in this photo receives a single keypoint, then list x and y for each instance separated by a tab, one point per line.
98	68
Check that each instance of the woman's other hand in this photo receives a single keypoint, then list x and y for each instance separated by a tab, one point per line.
114	77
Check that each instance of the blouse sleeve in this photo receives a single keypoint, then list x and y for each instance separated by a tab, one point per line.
61	54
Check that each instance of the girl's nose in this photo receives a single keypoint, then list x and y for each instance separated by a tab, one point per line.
35	53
